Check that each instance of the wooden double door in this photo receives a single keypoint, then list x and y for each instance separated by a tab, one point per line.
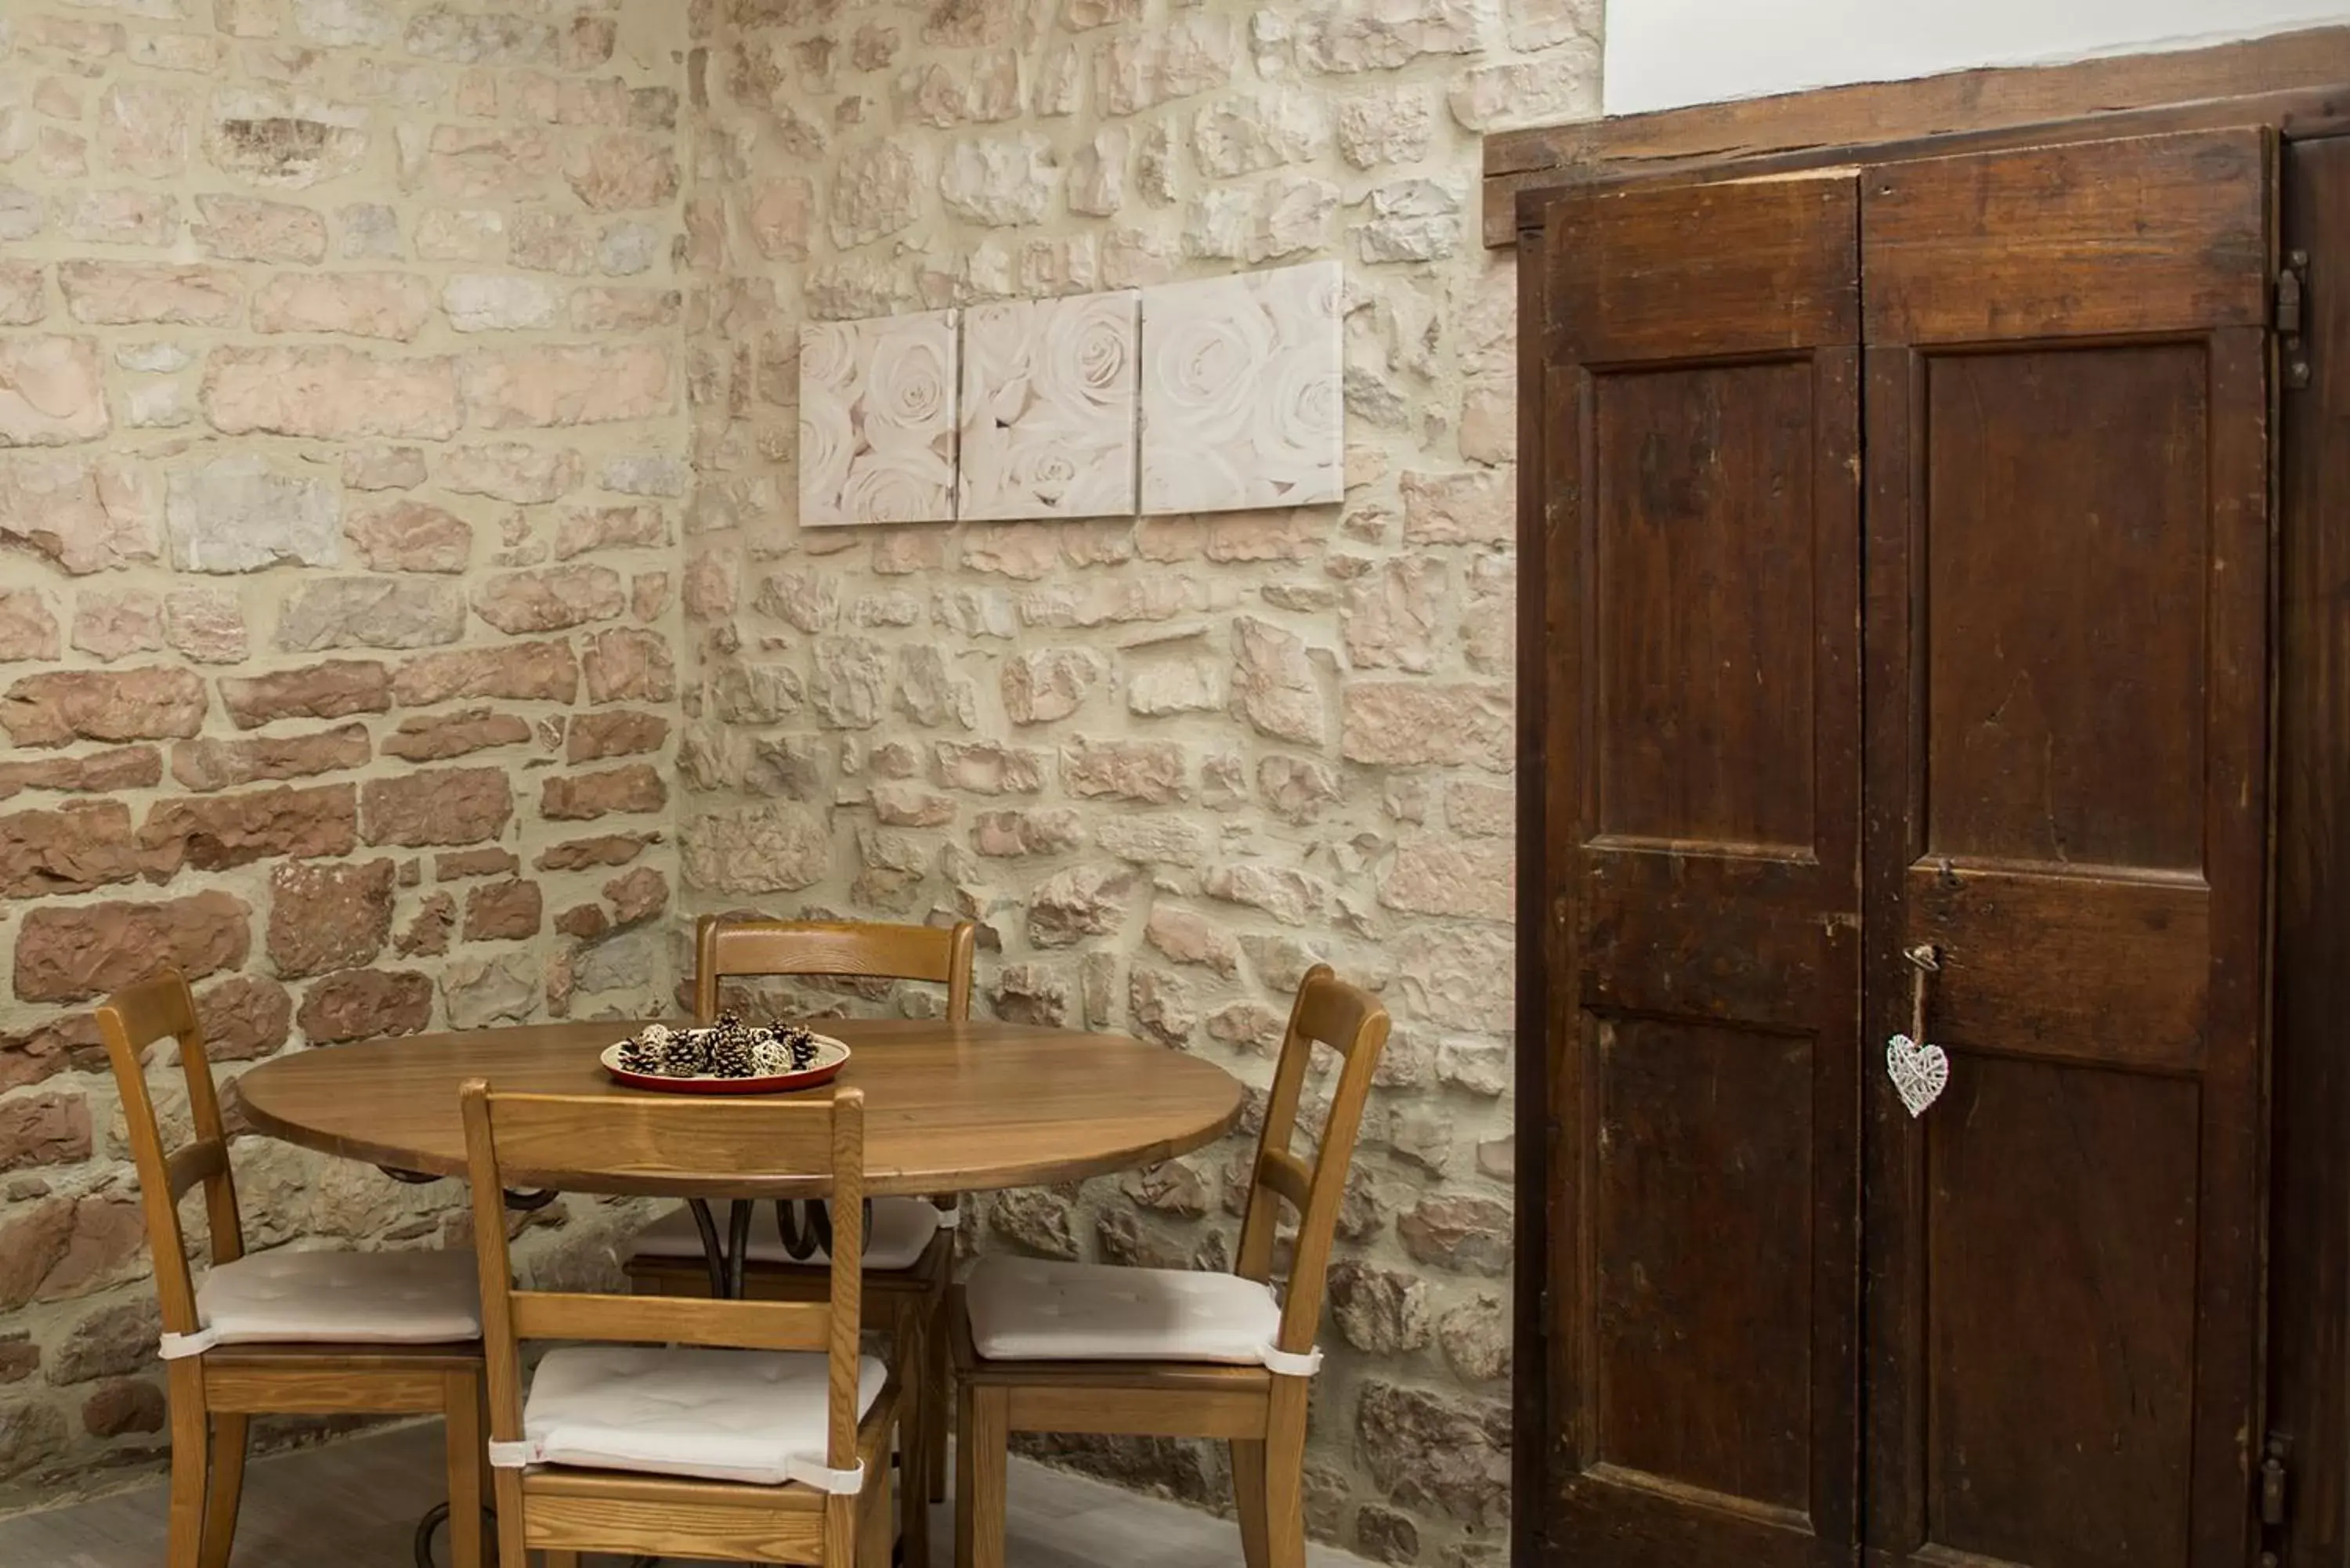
1903	638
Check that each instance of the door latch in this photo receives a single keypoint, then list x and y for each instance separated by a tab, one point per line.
2273	1483
2292	309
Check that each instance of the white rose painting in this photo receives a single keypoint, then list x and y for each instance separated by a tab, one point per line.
878	421
1048	407
1242	404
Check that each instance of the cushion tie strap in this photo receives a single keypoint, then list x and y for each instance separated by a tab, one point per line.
841	1484
1289	1363
513	1456
180	1346
950	1219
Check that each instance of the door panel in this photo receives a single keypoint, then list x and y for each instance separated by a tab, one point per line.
1710	1218
1702	590
2065	664
2132	983
1704	271
1702	577
2066	635
2090	1347
2175	234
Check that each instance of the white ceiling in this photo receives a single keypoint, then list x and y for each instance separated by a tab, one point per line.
1662	54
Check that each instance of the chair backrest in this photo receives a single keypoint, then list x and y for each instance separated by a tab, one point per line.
128	1022
1352	1023
708	1139
725	947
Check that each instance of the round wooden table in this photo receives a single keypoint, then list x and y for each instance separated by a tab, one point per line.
947	1107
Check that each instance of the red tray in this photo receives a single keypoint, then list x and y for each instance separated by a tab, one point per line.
832	1056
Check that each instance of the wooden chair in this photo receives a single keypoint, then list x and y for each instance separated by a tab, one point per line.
680	1430
1073	1348
282	1332
911	1249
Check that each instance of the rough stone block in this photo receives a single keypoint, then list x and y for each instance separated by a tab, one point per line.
568	386
54	707
243	228
327	918
365	1004
333	689
371	612
28	626
223	831
441	737
583	797
86	516
74	955
771	847
236	512
386	305
329	394
520	672
437	805
52	391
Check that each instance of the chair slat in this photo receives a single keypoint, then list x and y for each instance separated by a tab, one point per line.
785	1529
153	1009
668	1136
1287	1174
728	949
1334	1015
673	1320
198	1161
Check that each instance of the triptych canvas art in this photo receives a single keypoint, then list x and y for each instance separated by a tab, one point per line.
1220	395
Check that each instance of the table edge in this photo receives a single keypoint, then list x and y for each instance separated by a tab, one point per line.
1038	1172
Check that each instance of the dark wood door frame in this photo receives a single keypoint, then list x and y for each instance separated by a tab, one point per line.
2309	1173
2298	82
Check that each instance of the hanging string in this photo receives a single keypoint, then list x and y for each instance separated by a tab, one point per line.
1925	963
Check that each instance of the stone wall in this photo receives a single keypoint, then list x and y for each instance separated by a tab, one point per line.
387	388
341	455
1166	763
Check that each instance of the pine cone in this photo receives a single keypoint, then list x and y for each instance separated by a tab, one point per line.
686	1055
801	1044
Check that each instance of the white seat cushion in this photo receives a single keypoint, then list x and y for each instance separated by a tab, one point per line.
721	1414
1024	1310
355	1298
900	1234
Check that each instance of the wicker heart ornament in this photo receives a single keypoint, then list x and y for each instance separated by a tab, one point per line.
1919	1073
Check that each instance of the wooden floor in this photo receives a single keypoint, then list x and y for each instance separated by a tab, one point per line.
354	1504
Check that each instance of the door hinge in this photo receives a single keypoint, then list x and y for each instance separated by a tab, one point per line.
2291	312
2274	1476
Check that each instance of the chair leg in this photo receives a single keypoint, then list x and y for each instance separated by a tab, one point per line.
915	1392
983	1462
511	1554
1285	1475
913	1485
226	1489
1248	1496
938	1405
841	1533
462	1411
489	1474
191	1445
873	1531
